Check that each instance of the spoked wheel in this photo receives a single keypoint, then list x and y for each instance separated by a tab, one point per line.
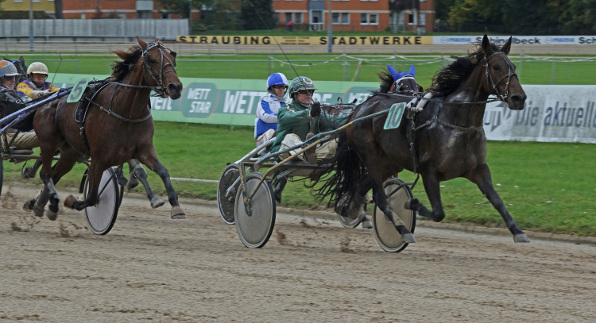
101	217
254	229
229	181
385	233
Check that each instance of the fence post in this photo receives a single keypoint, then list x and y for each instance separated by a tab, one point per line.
552	74
344	64
521	63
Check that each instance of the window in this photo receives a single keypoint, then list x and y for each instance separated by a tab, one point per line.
298	19
288	16
316	16
373	19
342	18
369	19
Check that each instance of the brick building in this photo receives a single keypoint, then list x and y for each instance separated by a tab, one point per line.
357	15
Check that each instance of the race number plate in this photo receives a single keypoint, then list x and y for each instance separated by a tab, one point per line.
394	117
77	91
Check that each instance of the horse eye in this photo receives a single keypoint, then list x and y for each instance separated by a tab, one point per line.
497	67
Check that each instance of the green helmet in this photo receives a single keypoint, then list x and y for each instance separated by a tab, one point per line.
299	84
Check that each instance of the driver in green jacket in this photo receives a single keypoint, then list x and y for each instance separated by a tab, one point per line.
297	122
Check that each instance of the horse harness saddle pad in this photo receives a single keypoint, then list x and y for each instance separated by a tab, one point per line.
82	108
91	92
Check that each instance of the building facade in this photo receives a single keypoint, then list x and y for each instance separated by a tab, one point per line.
356	15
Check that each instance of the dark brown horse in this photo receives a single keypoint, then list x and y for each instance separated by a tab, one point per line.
118	126
444	141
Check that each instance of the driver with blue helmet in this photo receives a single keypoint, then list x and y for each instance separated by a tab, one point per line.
266	120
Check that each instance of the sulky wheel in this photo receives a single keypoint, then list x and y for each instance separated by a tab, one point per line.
101	217
226	192
254	229
1	172
387	236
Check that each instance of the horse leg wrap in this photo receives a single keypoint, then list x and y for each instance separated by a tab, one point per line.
396	220
177	212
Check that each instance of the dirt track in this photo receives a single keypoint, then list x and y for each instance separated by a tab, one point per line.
151	268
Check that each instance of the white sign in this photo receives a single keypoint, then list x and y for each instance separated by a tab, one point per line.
552	113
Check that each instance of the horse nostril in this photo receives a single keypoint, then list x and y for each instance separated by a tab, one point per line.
175	90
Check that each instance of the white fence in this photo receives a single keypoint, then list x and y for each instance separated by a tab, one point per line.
92	29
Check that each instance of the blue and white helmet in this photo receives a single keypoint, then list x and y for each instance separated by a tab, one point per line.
276	79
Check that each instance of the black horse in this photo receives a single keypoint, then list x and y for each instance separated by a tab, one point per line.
444	141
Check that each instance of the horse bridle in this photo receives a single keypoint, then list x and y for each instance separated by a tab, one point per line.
159	80
489	79
399	81
160	88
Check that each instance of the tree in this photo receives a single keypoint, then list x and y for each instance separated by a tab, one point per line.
578	17
257	14
182	7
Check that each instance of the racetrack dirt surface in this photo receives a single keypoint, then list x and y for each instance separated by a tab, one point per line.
152	268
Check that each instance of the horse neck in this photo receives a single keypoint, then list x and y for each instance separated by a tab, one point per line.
465	107
132	102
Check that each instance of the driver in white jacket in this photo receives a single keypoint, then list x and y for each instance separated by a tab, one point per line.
266	120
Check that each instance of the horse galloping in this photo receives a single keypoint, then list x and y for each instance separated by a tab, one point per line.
445	140
118	126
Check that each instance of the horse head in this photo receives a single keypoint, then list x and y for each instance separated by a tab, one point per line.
499	78
158	63
405	81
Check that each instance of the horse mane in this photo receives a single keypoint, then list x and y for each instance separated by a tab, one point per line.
386	82
121	69
448	78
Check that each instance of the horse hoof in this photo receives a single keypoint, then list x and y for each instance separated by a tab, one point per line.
28	206
69	201
411	204
157	202
521	237
26	173
177	212
51	215
367	224
132	183
408	238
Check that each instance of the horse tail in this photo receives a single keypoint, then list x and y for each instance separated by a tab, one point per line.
342	185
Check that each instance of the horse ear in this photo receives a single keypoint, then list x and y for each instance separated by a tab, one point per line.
393	72
507	47
142	43
486	47
412	71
